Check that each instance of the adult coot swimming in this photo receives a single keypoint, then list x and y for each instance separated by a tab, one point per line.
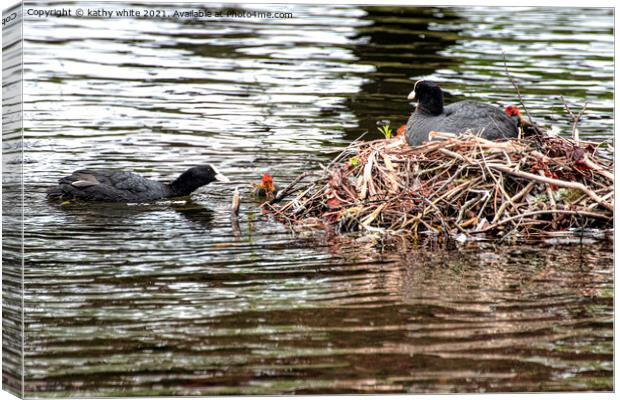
430	115
119	186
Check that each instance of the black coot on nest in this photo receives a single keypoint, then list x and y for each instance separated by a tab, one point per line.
430	115
119	186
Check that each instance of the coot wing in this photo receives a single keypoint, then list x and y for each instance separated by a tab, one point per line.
87	175
478	117
473	110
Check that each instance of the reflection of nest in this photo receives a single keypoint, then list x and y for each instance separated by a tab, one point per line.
460	185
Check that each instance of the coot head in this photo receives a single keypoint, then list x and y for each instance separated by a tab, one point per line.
196	177
204	174
429	97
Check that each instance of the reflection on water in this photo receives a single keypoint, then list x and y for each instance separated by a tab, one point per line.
171	298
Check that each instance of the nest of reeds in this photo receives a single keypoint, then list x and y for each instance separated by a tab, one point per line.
457	185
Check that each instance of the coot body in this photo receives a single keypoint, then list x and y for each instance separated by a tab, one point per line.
482	119
118	186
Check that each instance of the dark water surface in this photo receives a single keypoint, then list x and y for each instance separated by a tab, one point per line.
168	298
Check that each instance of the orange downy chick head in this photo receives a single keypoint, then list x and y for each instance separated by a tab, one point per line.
267	182
512	111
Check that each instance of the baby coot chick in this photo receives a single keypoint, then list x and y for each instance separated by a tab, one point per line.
528	128
266	188
431	115
119	186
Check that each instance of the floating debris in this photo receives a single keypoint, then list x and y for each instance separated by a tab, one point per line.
234	207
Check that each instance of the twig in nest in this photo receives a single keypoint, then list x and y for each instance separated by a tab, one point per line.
542	212
576	118
282	193
343	152
514	84
557	182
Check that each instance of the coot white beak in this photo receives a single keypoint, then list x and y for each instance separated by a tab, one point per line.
221	178
411	95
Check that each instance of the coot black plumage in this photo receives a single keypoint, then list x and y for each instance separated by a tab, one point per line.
119	186
430	115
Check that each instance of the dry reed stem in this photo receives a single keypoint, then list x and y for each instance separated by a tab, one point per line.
556	182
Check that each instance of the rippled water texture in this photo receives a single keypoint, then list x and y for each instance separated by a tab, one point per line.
170	298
